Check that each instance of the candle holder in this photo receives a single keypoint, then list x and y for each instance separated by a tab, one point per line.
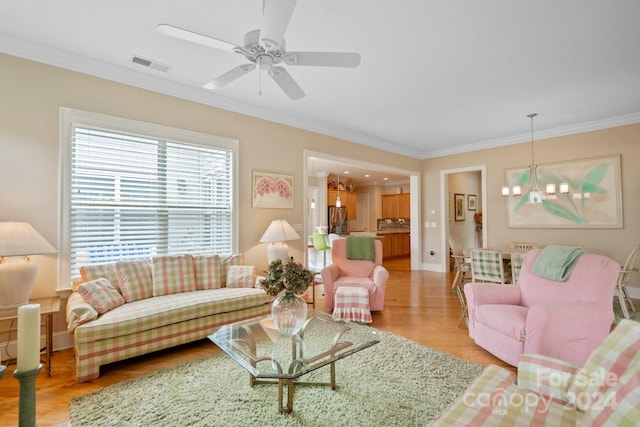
27	379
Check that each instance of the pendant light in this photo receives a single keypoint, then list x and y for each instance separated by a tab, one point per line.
534	192
338	201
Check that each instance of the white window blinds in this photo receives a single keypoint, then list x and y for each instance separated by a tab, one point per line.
134	196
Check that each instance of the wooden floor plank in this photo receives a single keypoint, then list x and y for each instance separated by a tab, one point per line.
418	306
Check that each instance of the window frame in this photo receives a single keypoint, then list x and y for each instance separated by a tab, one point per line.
70	117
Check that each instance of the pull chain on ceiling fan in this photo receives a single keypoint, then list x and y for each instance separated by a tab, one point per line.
265	49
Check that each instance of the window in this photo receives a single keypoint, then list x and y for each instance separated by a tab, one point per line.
134	190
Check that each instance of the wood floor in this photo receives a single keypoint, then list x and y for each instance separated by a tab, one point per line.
418	305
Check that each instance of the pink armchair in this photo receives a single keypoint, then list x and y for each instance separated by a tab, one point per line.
361	273
565	320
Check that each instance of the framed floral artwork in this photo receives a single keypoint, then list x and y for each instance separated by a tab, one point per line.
471	202
458	206
272	190
593	200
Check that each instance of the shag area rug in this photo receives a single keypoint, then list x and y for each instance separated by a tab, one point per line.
394	383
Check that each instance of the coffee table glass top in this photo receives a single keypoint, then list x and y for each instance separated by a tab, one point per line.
258	347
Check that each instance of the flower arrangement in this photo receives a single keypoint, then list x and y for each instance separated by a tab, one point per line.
290	277
477	218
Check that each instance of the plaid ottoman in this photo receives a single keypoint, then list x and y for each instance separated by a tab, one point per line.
352	303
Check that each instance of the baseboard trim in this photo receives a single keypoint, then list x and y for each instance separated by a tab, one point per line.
61	341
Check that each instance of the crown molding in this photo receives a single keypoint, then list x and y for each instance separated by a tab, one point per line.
153	81
611	122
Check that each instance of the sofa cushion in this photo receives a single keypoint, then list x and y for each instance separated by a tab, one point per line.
228	261
134	279
78	312
240	276
101	294
207	272
97	271
156	312
172	274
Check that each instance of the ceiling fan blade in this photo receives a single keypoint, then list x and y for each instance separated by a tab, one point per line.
190	36
286	83
229	76
323	59
276	15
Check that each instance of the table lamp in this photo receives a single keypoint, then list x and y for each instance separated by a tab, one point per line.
18	274
278	232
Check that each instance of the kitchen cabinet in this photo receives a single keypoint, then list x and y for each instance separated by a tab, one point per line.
396	205
348	199
395	245
404	205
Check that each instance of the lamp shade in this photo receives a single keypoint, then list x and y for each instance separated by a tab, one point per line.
279	231
17	273
20	238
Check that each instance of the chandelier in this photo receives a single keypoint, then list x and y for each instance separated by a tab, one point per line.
534	193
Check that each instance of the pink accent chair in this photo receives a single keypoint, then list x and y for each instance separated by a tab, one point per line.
564	320
351	272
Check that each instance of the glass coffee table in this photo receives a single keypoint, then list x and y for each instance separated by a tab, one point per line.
270	358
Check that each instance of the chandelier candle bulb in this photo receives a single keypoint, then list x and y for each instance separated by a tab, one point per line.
551	189
505	191
28	337
564	188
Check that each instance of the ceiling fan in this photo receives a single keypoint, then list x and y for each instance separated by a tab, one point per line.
266	48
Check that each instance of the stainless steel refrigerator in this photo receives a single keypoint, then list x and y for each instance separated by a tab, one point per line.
338	220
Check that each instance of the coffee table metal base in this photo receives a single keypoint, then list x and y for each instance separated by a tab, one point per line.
290	384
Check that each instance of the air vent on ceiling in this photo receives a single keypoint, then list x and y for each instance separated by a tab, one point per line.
149	63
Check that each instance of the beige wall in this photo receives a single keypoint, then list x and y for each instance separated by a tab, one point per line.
615	243
30	101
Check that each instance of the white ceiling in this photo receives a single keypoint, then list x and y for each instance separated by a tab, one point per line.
436	77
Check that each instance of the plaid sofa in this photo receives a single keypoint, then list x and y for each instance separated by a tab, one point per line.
603	392
130	308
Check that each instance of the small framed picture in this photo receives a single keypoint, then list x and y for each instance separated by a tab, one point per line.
458	206
471	202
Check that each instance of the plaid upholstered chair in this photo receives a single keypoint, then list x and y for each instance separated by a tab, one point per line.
516	265
604	391
486	266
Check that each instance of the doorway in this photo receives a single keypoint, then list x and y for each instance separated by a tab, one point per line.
460	183
318	165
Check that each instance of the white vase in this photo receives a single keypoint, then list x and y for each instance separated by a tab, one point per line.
289	312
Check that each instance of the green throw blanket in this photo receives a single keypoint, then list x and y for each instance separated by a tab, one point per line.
359	247
556	262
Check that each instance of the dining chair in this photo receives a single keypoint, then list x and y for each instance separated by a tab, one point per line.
630	266
522	246
516	265
463	270
463	266
486	266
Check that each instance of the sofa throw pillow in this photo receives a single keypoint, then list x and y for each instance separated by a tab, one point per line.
228	261
172	274
240	276
78	312
134	278
96	271
101	294
208	275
